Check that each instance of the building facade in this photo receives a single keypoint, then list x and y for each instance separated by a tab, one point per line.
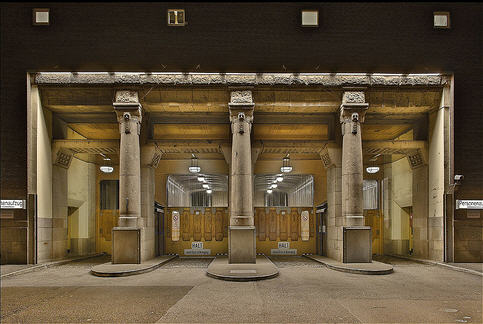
345	139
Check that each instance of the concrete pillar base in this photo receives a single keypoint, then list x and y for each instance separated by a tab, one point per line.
357	244
241	244
126	245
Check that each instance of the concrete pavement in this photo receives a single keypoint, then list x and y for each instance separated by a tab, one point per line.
304	291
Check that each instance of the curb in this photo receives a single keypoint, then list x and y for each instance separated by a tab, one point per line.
444	265
131	272
352	270
50	264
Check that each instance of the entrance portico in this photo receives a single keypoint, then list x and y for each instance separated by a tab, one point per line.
240	127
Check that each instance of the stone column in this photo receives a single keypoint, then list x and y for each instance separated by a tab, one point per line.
356	237
150	157
331	157
126	238
241	230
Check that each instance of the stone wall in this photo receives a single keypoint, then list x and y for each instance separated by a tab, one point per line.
436	185
82	209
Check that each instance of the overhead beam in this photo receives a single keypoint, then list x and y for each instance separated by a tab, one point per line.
88	146
393	147
337	80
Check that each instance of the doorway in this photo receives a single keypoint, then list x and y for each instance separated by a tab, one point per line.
159	229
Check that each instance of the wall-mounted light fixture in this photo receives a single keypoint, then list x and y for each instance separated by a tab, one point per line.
41	16
310	17
176	17
441	19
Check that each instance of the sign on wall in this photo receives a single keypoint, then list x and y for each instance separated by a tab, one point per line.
175	226
13	204
197	249
469	204
304	225
283	249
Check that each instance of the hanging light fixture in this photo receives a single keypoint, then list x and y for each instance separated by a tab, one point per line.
269	191
279	178
194	167
286	167
372	169
209	191
273	186
206	186
106	169
201	179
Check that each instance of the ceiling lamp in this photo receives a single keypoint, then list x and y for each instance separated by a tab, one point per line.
273	186
106	169
373	169
194	167
279	178
209	191
205	186
286	167
201	179
269	191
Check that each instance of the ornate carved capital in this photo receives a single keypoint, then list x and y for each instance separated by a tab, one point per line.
353	109
241	111
128	110
331	156
62	157
418	158
150	156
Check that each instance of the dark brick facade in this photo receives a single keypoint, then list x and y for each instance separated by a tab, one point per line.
242	37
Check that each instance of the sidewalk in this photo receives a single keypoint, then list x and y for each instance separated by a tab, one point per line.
473	268
8	270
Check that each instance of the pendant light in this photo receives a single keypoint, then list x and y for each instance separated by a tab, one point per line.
194	167
286	167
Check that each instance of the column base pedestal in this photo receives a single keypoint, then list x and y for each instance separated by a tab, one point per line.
126	245
241	244
357	244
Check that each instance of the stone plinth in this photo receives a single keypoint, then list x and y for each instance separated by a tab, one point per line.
126	245
357	244
242	248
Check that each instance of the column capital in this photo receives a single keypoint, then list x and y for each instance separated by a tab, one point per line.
331	156
241	101
62	156
353	102
127	101
150	156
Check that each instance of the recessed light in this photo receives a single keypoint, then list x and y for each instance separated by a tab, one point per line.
40	16
310	18
441	19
